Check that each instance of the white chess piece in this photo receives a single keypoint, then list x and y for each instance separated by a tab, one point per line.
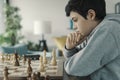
24	59
41	59
41	64
53	61
2	58
44	57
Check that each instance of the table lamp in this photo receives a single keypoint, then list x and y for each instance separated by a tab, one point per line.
42	28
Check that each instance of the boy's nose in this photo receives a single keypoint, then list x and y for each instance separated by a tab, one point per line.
75	27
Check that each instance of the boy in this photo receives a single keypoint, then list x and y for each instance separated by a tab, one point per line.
93	49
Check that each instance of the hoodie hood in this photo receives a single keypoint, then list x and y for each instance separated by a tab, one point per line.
113	17
108	17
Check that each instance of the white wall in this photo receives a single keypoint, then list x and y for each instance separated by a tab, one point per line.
52	10
110	5
2	27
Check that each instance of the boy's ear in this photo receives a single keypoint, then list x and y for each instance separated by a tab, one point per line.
91	14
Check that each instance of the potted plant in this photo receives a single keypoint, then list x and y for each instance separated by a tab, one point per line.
12	34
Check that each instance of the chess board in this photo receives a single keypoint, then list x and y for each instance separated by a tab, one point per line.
21	71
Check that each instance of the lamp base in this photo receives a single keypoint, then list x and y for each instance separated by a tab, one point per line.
43	45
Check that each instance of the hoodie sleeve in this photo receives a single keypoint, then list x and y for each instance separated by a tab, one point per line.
68	53
92	57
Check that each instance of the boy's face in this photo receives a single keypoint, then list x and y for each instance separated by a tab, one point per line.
82	25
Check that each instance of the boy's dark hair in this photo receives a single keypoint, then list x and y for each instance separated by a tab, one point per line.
82	7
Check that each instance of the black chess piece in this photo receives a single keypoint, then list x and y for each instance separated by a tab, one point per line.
47	77
38	74
16	62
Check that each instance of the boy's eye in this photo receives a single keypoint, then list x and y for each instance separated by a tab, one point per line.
74	20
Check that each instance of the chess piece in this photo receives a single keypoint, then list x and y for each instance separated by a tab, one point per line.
16	62
5	74
53	61
8	57
44	57
41	64
38	74
19	57
3	59
12	58
47	77
29	68
41	59
33	76
24	59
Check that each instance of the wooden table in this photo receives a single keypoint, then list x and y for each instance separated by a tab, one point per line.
20	72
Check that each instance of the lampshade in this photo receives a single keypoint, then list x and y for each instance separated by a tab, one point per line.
42	27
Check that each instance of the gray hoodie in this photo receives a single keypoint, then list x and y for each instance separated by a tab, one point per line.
100	58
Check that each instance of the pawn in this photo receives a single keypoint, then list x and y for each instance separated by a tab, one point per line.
42	69
53	61
47	77
5	74
44	57
29	68
41	64
41	59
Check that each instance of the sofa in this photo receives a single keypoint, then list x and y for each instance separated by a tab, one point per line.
21	49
